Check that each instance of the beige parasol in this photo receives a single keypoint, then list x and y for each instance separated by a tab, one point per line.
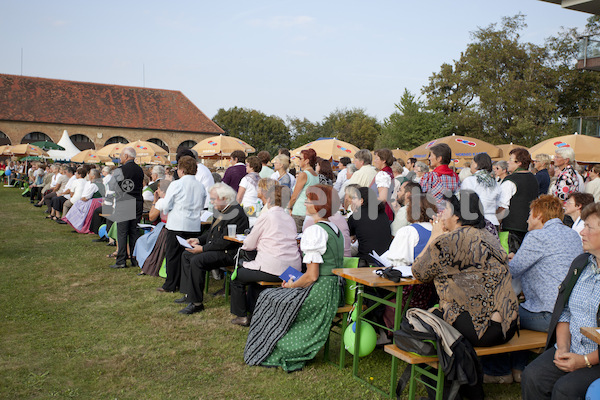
461	146
5	150
587	148
221	146
506	149
328	148
26	150
89	157
399	153
142	148
155	159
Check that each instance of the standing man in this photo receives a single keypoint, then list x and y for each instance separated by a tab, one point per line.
366	172
519	189
129	203
235	173
442	180
342	175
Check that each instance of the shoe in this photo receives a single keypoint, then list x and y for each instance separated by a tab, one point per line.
118	266
37	205
162	290
217	274
516	373
241	321
60	221
220	292
111	244
498	379
192	308
182	300
102	239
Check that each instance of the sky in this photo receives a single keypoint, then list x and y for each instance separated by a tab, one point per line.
301	59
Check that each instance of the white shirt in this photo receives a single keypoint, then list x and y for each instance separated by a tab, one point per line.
68	186
578	225
204	176
55	178
78	186
341	178
402	248
400	220
89	190
508	190
183	202
593	188
490	197
275	176
251	194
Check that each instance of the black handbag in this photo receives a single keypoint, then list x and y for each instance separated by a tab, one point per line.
245	255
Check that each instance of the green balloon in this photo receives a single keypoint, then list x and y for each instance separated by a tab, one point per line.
368	339
353	315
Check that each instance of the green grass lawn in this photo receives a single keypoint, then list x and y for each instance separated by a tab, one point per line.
73	328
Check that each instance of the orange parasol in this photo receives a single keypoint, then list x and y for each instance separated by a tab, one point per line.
586	147
461	146
89	157
221	146
328	148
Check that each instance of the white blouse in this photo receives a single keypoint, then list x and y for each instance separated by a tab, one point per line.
314	243
383	179
402	248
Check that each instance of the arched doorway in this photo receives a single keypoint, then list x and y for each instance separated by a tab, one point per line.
188	144
160	143
82	142
4	139
36	137
116	139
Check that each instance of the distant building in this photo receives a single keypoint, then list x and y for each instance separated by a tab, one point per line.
94	115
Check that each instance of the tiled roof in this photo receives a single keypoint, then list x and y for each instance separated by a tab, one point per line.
29	99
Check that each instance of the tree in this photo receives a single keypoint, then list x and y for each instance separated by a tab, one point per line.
499	90
412	125
303	131
353	126
257	129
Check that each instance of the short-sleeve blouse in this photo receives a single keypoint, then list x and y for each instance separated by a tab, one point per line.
314	243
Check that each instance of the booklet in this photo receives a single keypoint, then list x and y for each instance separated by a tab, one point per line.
184	242
291	274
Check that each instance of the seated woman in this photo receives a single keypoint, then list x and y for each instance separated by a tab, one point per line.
573	206
274	239
291	323
469	268
541	264
570	363
369	224
407	245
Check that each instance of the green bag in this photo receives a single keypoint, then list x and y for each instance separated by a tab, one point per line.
163	269
503	236
350	287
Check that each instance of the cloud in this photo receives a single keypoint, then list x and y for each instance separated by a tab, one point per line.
282	22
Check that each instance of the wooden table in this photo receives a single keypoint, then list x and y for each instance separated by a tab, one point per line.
366	277
591	333
233	239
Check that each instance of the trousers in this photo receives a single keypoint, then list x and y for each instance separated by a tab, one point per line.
173	253
245	290
193	271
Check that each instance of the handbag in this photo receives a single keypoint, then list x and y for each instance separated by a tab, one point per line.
240	257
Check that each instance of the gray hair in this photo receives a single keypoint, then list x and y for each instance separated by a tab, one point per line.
94	173
159	170
129	151
106	169
566	152
284	160
397	167
364	155
224	191
544	159
421	166
503	165
350	169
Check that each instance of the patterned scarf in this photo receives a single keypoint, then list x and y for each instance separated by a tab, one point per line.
484	178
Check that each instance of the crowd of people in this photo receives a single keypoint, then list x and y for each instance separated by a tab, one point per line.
501	247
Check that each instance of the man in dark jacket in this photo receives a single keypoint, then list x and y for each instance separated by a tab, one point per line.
211	250
129	181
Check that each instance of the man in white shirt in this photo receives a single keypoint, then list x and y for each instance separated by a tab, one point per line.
204	176
366	172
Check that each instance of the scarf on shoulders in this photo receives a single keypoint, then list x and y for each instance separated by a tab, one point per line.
444	170
484	178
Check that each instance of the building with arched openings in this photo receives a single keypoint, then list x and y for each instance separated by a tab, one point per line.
34	109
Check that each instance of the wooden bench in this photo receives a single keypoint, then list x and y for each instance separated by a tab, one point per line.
526	340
